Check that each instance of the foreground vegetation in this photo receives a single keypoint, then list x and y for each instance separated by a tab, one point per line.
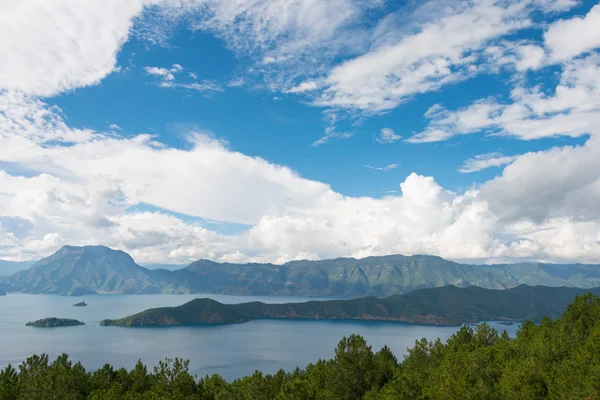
557	359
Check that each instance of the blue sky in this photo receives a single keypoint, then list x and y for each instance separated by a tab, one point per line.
265	120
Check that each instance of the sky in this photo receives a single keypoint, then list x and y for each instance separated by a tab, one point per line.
278	130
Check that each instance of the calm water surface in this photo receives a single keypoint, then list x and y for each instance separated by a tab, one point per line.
229	350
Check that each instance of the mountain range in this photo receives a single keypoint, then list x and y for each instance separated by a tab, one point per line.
98	269
447	305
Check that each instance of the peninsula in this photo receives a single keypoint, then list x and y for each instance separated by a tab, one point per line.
54	323
448	305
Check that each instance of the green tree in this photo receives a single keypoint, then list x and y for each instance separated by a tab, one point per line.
9	383
351	373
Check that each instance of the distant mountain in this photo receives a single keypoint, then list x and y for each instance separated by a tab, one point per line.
98	269
85	270
448	305
168	267
10	267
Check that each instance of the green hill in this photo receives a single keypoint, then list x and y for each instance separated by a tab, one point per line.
54	323
448	305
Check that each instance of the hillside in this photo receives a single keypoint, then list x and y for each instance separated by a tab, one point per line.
98	269
448	305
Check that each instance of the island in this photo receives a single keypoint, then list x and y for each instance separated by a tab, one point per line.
2	293
54	323
82	304
447	305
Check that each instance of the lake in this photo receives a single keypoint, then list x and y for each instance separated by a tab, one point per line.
232	351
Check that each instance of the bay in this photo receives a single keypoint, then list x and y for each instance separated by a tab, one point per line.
232	351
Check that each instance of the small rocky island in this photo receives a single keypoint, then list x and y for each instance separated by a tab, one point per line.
54	323
82	304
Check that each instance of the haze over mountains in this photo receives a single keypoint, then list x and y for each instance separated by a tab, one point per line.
10	267
98	269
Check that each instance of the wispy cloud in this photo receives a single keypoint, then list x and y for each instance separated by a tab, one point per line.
167	79
387	168
386	135
572	108
330	134
484	161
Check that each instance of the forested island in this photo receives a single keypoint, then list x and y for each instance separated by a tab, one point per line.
54	323
81	304
557	359
448	305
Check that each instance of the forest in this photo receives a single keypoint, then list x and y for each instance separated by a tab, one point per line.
554	359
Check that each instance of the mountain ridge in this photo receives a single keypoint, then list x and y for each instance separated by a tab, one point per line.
98	269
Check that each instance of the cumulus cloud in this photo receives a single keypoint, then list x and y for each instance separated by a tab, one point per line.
90	193
569	38
62	185
563	182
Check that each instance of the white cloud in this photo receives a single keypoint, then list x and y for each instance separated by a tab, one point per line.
304	87
167	79
563	182
483	161
442	51
331	133
285	41
387	168
569	38
50	46
237	82
543	206
520	55
278	29
114	127
573	109
387	135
